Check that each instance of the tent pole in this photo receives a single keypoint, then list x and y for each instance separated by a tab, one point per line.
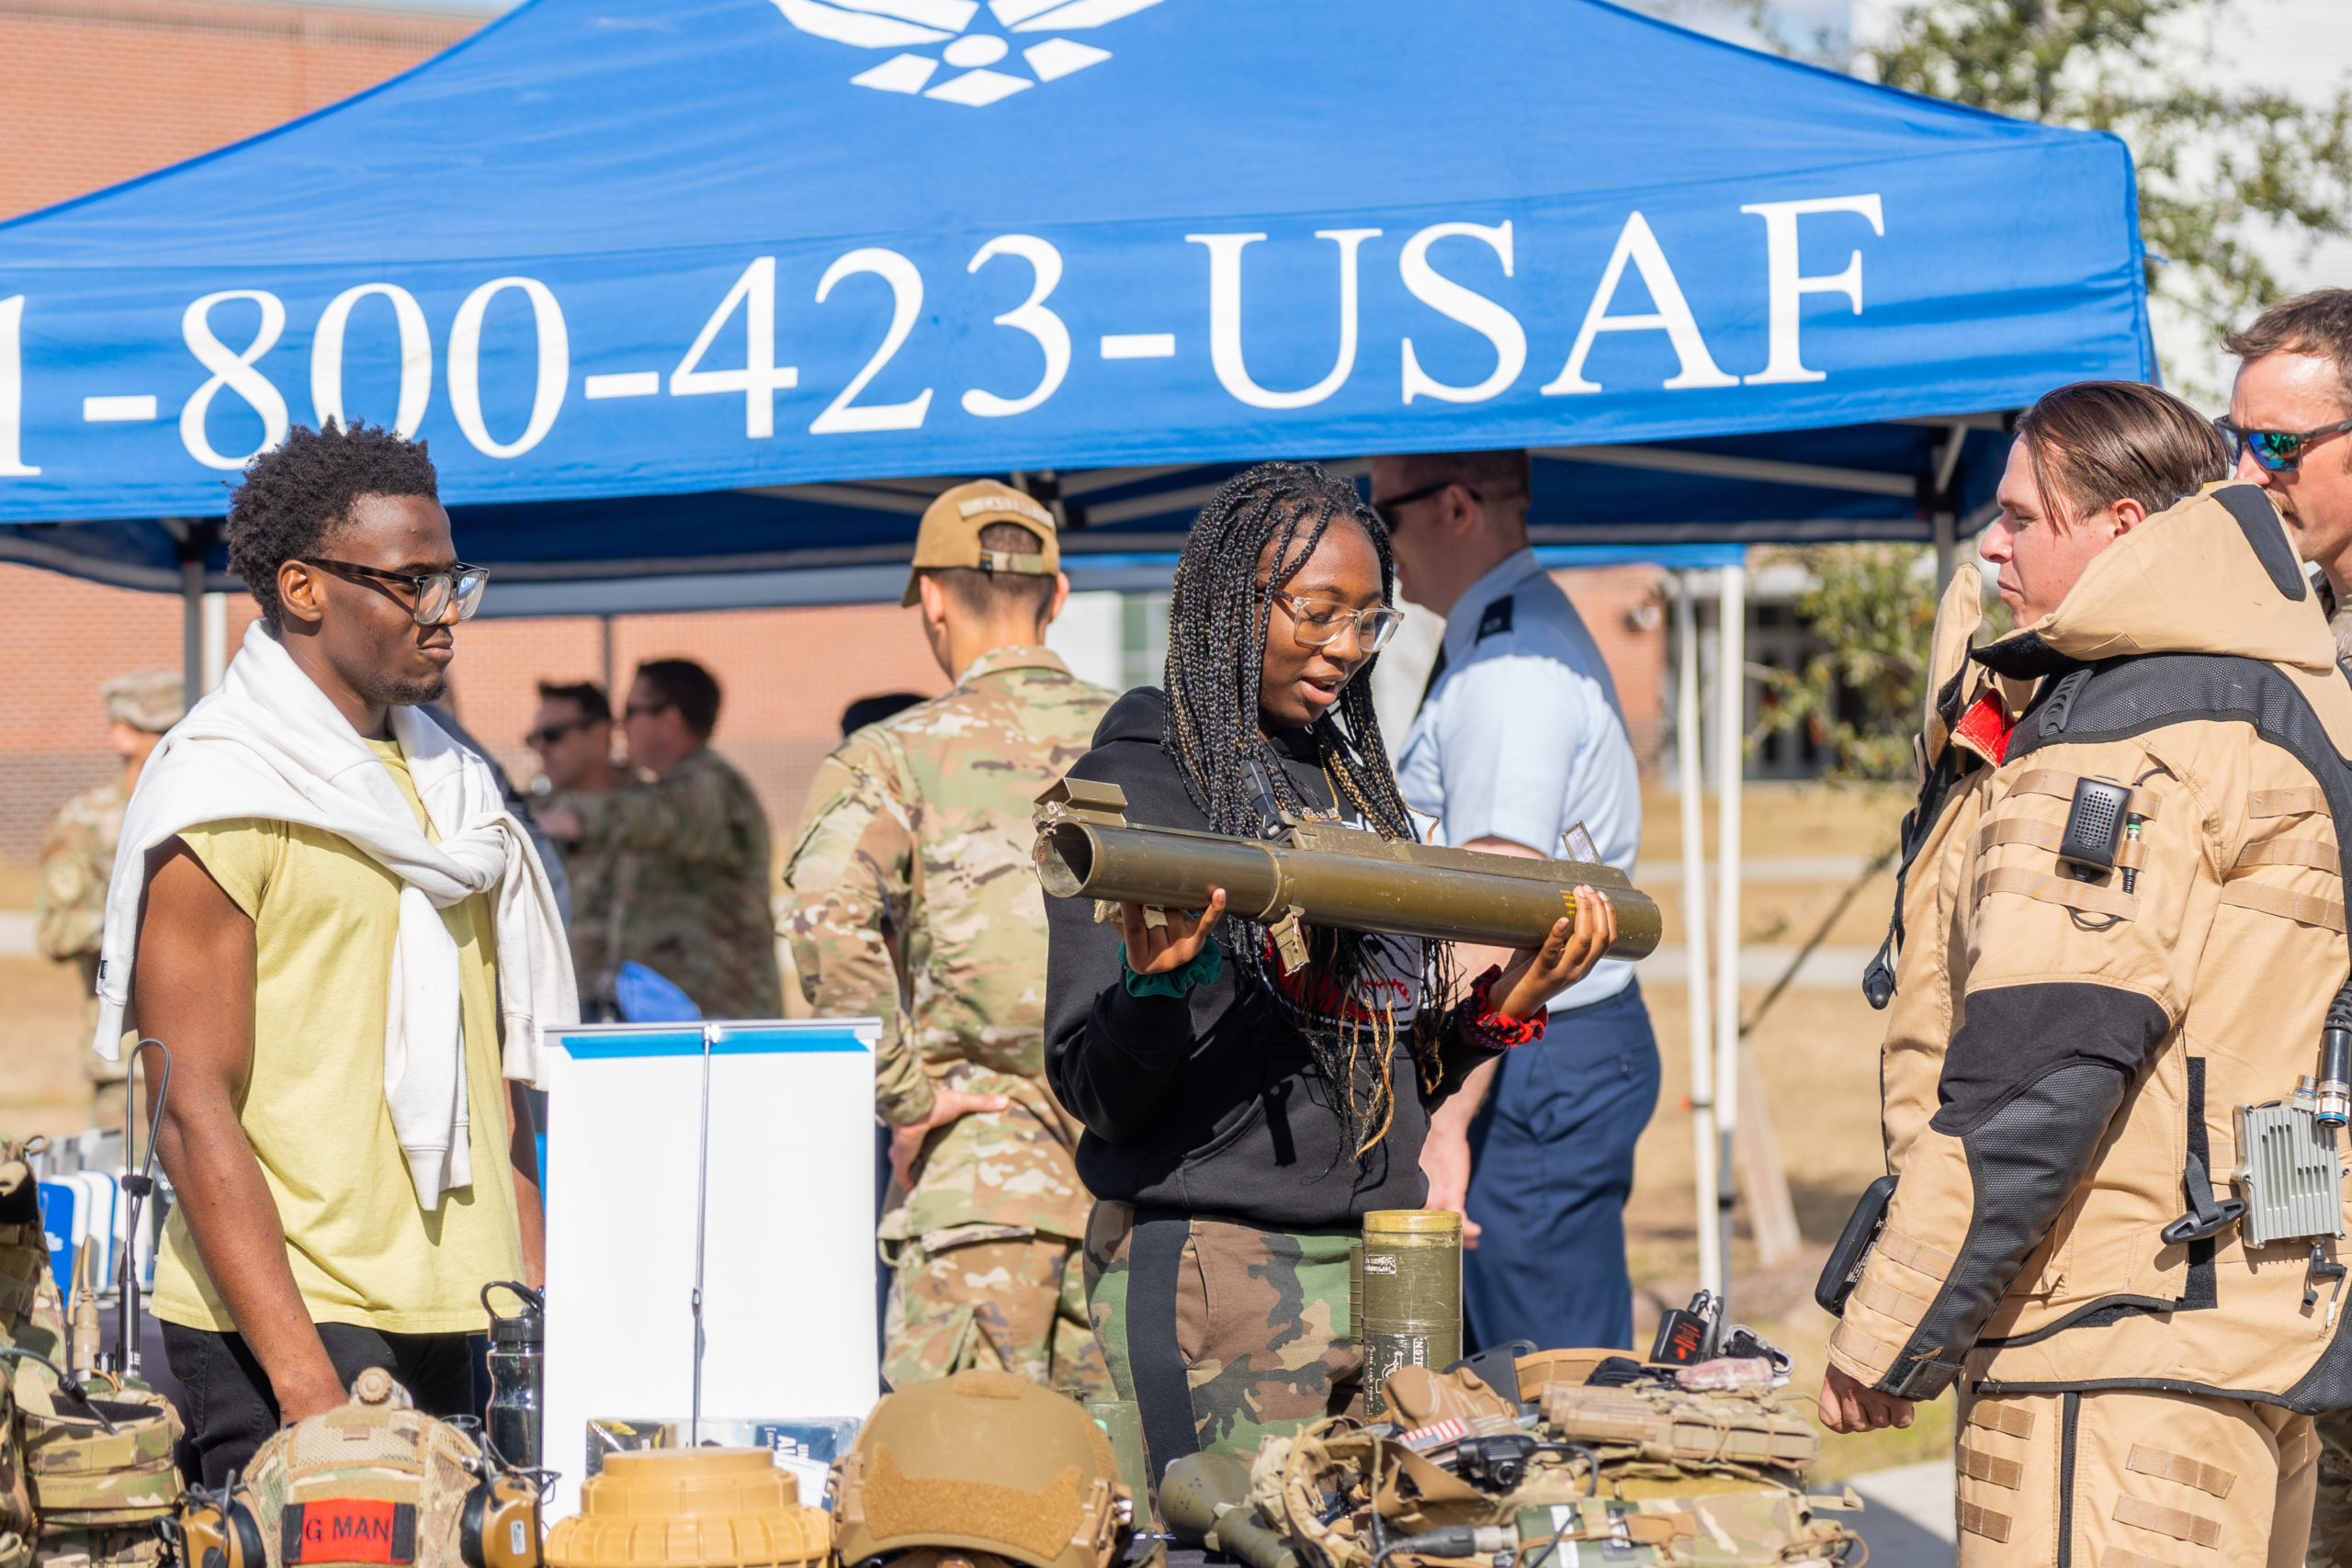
605	641
1731	724
192	629
1690	768
1947	549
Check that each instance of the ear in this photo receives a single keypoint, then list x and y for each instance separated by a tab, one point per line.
2129	515
301	594
933	598
1060	598
1462	514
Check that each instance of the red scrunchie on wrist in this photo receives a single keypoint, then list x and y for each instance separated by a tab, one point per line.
1489	1026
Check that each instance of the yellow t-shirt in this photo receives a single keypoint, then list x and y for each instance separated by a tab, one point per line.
363	1251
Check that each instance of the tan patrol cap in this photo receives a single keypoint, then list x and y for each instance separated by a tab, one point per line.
950	535
150	701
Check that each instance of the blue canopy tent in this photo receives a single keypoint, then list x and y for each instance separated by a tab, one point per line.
668	282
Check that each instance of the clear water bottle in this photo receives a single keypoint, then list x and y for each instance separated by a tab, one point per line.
517	1375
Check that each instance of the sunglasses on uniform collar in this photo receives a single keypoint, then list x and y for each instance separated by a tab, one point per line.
2279	451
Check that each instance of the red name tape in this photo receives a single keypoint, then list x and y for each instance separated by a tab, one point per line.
349	1530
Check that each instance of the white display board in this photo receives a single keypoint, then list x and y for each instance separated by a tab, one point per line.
776	1185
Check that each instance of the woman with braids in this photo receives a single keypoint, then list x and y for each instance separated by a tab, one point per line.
1241	1120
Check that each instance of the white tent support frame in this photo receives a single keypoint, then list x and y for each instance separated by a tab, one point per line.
1714	1008
1731	732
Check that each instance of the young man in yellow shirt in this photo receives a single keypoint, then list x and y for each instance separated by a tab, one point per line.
310	1240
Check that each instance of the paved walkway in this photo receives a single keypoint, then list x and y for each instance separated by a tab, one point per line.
1909	1521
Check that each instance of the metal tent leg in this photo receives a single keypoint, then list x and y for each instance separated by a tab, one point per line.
1731	725
1691	769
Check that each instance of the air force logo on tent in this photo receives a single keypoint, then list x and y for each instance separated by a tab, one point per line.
975	55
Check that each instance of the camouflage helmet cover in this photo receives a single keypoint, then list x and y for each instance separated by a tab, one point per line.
984	1462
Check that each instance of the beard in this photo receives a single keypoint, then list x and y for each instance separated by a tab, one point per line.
411	691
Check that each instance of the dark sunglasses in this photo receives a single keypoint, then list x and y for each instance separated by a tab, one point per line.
2279	451
548	734
645	710
429	596
1388	509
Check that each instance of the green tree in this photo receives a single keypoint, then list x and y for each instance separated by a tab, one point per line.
1874	607
2218	167
2229	178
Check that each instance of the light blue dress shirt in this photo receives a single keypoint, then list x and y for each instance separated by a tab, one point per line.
1520	736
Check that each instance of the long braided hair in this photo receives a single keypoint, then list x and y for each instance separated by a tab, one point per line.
1252	537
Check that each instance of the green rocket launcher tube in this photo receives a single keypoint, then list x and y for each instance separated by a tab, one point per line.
1322	875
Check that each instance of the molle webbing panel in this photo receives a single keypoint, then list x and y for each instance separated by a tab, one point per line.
2125	697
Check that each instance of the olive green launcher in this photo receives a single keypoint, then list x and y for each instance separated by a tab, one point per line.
1322	875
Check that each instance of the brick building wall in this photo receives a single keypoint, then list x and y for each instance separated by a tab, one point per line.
93	92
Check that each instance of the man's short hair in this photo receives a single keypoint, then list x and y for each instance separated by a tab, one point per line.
585	696
296	495
2097	443
689	688
2318	323
991	594
1493	475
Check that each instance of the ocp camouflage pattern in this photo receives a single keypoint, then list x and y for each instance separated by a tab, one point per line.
69	910
680	869
918	831
993	1298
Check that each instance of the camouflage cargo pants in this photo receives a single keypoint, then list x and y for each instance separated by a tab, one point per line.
1256	1340
2332	1514
994	1297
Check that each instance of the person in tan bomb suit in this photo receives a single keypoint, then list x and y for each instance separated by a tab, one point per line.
2136	1376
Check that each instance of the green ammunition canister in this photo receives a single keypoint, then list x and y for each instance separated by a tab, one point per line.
1411	1296
1355	1289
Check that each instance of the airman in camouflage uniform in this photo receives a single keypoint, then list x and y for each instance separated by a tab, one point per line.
922	822
679	868
918	829
77	860
1261	1321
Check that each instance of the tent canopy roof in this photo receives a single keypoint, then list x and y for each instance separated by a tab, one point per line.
656	277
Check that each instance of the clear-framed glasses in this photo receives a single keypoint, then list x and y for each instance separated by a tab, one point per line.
2279	451
1318	622
429	596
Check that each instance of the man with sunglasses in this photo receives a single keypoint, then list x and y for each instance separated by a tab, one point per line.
1519	740
2289	431
326	910
684	852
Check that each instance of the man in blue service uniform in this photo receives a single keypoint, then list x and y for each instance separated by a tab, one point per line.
1519	740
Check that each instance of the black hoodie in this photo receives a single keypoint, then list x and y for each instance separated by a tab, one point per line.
1210	1102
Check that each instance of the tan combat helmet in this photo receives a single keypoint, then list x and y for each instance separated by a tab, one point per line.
986	1463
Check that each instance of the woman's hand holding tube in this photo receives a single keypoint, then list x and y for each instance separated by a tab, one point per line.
1536	975
1166	948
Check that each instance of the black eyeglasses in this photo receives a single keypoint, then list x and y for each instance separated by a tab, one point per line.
548	734
1388	509
2279	451
429	595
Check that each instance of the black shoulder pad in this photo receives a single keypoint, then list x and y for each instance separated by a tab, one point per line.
2259	523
